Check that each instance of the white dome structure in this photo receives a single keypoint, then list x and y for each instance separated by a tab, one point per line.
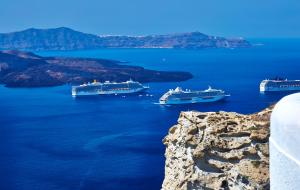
285	144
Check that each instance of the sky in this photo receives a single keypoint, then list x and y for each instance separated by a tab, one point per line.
229	18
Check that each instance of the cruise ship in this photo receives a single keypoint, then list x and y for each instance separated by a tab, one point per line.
108	88
179	96
279	84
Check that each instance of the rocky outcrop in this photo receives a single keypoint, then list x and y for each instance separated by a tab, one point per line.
218	150
67	39
24	69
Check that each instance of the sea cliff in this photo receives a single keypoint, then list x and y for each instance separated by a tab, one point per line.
67	39
218	150
25	69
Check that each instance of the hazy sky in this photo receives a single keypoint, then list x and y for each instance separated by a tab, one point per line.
247	18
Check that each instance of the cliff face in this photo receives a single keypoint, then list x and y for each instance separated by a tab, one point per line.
67	39
48	39
24	69
218	150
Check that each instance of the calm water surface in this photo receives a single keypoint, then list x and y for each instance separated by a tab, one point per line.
49	140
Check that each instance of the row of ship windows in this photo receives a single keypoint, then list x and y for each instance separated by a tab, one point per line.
285	86
119	89
109	89
189	96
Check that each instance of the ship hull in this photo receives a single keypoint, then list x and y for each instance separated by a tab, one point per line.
111	92
193	100
279	85
277	89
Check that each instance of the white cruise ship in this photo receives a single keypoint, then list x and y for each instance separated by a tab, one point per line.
179	96
108	88
279	85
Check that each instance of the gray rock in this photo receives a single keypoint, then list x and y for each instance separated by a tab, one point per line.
218	150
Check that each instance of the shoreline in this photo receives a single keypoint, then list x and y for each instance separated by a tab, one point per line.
26	69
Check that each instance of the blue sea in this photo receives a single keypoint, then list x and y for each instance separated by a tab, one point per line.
52	141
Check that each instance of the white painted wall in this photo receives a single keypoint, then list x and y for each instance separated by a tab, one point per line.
285	144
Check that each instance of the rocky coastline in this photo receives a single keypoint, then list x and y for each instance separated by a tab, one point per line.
25	69
218	150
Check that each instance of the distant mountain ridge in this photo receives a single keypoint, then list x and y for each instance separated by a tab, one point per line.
67	39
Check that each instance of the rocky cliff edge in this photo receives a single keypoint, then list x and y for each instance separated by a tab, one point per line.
218	150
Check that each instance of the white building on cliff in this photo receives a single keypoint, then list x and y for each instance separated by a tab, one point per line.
285	144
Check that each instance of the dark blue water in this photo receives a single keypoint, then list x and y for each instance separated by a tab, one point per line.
49	140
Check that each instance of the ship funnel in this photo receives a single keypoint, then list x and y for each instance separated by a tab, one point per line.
178	89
